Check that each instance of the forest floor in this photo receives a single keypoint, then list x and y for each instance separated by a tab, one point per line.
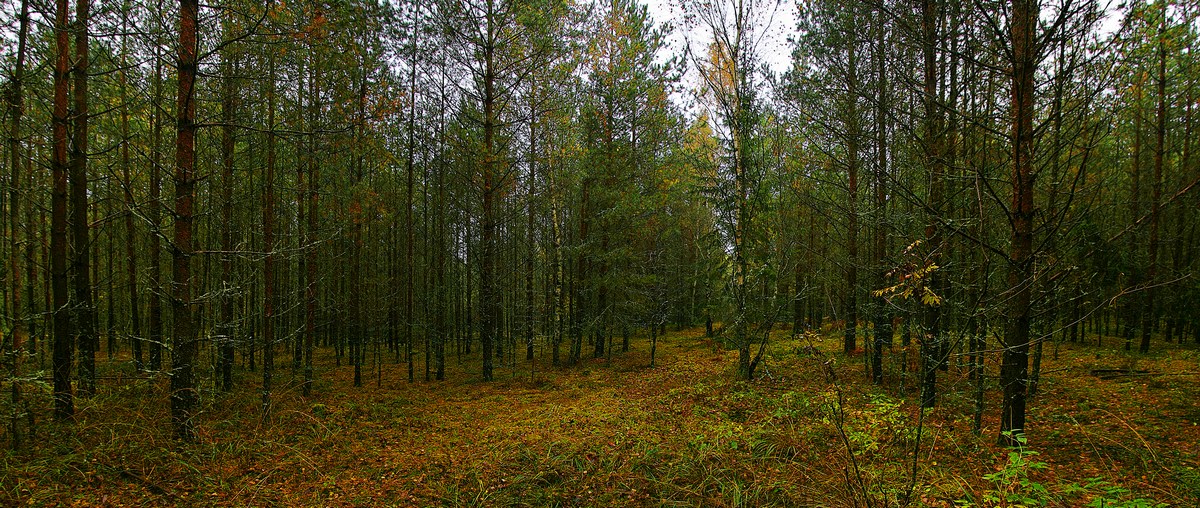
684	433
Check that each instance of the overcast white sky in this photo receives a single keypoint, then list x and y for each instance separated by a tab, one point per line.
775	51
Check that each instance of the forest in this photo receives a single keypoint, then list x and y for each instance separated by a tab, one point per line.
863	253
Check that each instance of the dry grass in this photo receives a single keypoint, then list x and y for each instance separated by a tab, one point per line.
684	433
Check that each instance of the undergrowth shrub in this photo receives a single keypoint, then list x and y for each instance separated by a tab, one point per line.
1013	486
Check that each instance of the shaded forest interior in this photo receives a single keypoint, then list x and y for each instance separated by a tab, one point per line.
976	219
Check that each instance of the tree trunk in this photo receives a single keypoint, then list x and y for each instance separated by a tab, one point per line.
883	325
979	343
488	296
797	303
225	336
557	274
1132	311
931	336
579	279
408	209
110	328
85	310
1149	316
135	320
302	162
1180	309
35	239
1015	366
440	251
155	304
356	327
529	216
19	231
183	388
64	405
268	220
426	277
853	136
310	232
439	288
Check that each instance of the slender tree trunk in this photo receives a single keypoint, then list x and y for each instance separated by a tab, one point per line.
84	307
183	387
557	274
228	114
439	288
135	320
979	276
440	251
488	296
950	141
45	235
1149	316
932	334
797	302
64	405
268	220
979	339
393	297
427	330
1014	370
1180	308
853	136
357	329
34	238
155	304
410	238
19	232
1132	311
310	233
302	162
741	291
110	327
529	216
883	325
579	279
469	304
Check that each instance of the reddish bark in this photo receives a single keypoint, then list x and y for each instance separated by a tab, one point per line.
183	388
1014	370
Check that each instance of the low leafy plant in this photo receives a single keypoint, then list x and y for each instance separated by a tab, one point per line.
1106	495
1012	485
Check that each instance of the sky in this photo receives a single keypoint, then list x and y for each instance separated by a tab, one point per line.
775	51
